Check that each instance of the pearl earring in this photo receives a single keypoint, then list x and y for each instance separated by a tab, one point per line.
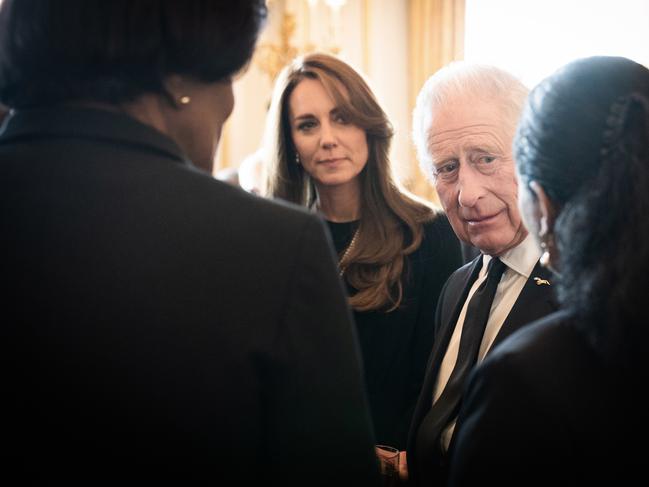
545	256
297	158
185	100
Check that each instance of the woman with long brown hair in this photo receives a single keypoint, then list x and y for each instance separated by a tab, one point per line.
327	148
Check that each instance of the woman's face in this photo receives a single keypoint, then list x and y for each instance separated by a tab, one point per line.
539	215
332	150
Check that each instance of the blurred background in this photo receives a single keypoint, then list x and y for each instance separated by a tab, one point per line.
397	44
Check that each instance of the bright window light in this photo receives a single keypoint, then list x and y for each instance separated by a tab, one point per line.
532	38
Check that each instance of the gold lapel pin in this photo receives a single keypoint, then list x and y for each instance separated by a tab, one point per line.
541	282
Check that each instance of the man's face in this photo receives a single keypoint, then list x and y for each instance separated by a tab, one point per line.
470	145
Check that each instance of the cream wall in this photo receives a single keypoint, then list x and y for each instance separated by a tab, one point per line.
388	72
532	38
362	23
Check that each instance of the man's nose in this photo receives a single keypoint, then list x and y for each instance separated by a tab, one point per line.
470	185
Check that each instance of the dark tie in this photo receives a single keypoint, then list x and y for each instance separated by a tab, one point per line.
475	321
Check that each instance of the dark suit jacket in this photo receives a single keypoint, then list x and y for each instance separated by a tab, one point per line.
165	324
545	409
534	301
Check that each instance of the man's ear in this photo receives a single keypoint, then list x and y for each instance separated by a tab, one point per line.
547	209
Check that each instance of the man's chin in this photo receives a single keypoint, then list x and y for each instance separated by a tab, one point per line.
487	246
496	246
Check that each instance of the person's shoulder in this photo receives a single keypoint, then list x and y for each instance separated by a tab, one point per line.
556	326
553	337
220	208
236	202
268	206
551	365
457	280
436	220
524	365
463	270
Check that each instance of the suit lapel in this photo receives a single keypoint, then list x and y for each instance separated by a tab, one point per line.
449	306
453	300
535	301
457	294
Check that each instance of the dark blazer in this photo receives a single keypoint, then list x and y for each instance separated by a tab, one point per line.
164	324
545	409
534	301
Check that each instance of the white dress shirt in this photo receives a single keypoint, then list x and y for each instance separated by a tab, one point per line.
520	262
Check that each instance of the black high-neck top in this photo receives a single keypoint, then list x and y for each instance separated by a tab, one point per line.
342	234
395	346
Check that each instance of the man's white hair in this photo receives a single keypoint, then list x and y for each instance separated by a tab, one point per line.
461	80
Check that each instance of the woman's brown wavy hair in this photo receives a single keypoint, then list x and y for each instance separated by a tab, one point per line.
391	223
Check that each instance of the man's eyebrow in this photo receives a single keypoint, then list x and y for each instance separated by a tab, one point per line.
489	144
486	147
442	161
441	147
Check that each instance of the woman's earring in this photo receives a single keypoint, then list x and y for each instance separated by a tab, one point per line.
545	247
545	256
297	158
185	100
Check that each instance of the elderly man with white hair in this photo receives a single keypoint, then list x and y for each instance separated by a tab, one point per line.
464	124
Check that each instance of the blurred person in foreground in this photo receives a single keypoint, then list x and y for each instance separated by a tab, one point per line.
561	402
463	125
327	149
165	326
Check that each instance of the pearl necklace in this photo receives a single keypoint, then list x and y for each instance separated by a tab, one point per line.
347	251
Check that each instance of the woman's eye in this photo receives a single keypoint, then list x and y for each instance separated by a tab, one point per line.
308	125
340	119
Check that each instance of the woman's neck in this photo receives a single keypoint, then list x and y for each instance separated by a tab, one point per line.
145	109
339	203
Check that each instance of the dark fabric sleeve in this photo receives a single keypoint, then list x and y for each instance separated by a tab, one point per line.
498	427
317	405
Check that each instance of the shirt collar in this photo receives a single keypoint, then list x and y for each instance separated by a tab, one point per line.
522	258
